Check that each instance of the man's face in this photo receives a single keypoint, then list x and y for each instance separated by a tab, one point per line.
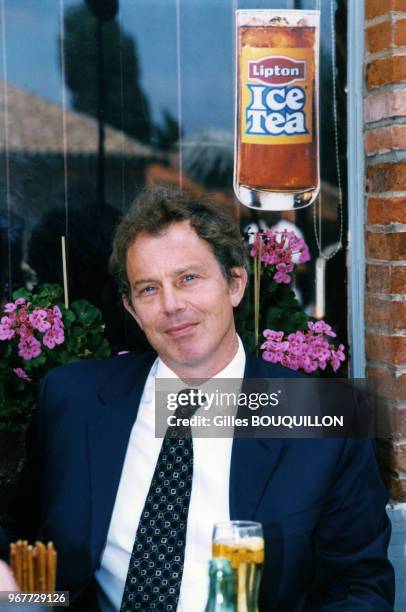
182	301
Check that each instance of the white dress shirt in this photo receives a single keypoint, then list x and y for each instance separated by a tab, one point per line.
209	502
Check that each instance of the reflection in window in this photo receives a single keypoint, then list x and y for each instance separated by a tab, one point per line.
156	82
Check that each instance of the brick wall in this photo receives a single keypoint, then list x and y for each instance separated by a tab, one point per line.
385	150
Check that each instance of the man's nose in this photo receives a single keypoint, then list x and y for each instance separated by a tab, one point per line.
172	299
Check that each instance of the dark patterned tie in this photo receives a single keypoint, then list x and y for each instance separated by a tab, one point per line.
156	565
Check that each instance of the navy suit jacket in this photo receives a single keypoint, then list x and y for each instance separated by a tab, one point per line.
321	501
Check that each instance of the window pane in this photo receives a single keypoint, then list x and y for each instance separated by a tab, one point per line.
93	110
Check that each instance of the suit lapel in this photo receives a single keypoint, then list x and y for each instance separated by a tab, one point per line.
108	434
252	460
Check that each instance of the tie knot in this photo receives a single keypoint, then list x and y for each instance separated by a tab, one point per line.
188	400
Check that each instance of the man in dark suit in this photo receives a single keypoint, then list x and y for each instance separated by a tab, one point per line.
131	515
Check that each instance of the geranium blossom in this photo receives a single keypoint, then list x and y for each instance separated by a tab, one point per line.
308	351
54	336
21	374
11	307
38	320
56	311
279	250
29	347
6	330
322	328
32	327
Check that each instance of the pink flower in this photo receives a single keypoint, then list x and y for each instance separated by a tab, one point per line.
23	331
271	356
295	348
337	356
306	350
321	328
56	311
10	307
305	254
19	301
309	365
22	374
290	361
271	334
29	347
280	249
22	316
280	277
38	320
54	336
6	330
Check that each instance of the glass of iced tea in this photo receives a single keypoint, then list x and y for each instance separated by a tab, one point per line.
242	542
276	132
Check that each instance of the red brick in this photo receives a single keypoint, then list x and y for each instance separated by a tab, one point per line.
385	105
386	177
385	139
398	5
399	457
375	8
385	314
389	421
385	383
386	246
400	32
383	211
387	70
388	349
396	486
386	279
378	37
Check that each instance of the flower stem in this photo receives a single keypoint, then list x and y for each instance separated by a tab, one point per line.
257	288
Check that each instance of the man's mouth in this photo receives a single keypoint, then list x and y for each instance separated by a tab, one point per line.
175	331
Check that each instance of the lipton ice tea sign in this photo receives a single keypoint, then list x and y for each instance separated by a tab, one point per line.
277	89
276	137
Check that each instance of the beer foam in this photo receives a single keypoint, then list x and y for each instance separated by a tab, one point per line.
252	543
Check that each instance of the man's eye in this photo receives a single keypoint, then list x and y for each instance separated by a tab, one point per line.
189	277
149	289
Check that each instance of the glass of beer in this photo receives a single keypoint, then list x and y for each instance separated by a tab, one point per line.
242	542
276	134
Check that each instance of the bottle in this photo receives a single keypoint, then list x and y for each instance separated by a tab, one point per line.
222	594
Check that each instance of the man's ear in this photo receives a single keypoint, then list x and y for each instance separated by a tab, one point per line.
237	285
129	308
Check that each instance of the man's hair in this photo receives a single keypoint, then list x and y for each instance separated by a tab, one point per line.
155	209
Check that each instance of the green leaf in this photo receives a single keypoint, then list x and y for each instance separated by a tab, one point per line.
274	316
51	292
34	363
86	312
68	316
6	351
21	293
